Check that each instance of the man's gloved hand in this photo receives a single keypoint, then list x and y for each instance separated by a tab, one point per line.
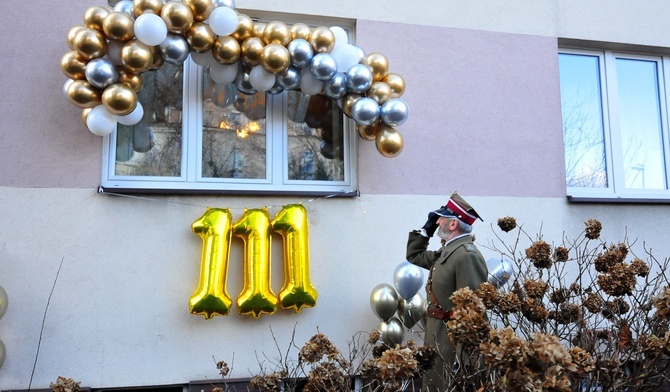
431	224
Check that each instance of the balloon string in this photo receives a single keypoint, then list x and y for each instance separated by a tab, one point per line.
101	190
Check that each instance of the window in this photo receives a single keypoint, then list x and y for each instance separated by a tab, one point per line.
200	136
615	125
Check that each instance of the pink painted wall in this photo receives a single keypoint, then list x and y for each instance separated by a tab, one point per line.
485	110
485	113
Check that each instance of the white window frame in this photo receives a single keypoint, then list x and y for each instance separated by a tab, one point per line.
616	190
276	181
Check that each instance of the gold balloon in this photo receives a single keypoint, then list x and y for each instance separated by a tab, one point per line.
368	132
201	8
277	33
136	56
300	30
257	297
348	102
211	297
95	16
297	291
71	34
200	37
73	66
275	58
90	44
388	141
131	79
178	17
226	50
322	40
259	28
245	28
82	94
157	56
119	99
142	6
84	114
119	26
379	65
396	83
251	50
380	92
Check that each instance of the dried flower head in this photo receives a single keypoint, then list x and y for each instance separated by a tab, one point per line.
326	376
488	293
640	267
619	280
63	384
614	255
534	311
539	253
662	303
651	345
561	254
398	364
560	295
593	228
424	356
374	337
468	325
549	350
507	223
535	288
593	303
217	389
568	313
504	348
268	382
223	368
318	346
582	359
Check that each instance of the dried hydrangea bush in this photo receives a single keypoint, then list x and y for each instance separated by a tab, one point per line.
579	315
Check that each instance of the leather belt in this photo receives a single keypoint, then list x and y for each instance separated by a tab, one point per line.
440	314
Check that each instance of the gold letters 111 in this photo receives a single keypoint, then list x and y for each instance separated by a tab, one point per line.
255	228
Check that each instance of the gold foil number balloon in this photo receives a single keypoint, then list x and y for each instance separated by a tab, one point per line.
297	292
257	296
211	296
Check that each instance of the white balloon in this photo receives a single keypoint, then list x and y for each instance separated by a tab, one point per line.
308	83
261	79
223	20
203	59
133	117
150	29
100	121
345	56
114	51
223	73
341	37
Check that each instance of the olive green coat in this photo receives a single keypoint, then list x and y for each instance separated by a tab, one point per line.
457	264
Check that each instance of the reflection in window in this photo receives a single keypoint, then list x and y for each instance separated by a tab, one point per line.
153	147
640	122
583	132
233	132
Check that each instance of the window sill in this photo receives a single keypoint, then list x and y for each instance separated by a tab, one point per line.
658	197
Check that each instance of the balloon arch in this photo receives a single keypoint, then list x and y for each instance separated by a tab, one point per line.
115	45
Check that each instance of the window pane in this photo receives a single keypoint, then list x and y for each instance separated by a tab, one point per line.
581	103
152	147
233	132
640	119
315	138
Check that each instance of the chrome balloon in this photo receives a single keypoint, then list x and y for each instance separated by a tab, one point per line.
412	311
365	111
227	3
359	78
394	112
408	279
101	73
323	66
125	6
336	87
242	82
384	301
500	270
301	52
289	79
391	332
175	49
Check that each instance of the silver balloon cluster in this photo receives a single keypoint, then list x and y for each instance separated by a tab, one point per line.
401	306
500	271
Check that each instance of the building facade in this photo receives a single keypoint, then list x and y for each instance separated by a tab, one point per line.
484	82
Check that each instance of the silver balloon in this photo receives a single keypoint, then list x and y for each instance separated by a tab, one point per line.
391	332
365	111
276	89
101	73
289	79
226	3
359	78
175	49
301	52
323	66
500	270
394	112
410	312
384	301
336	87
125	6
4	302
408	279
242	82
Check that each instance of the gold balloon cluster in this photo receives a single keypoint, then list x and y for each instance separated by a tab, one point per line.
110	33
